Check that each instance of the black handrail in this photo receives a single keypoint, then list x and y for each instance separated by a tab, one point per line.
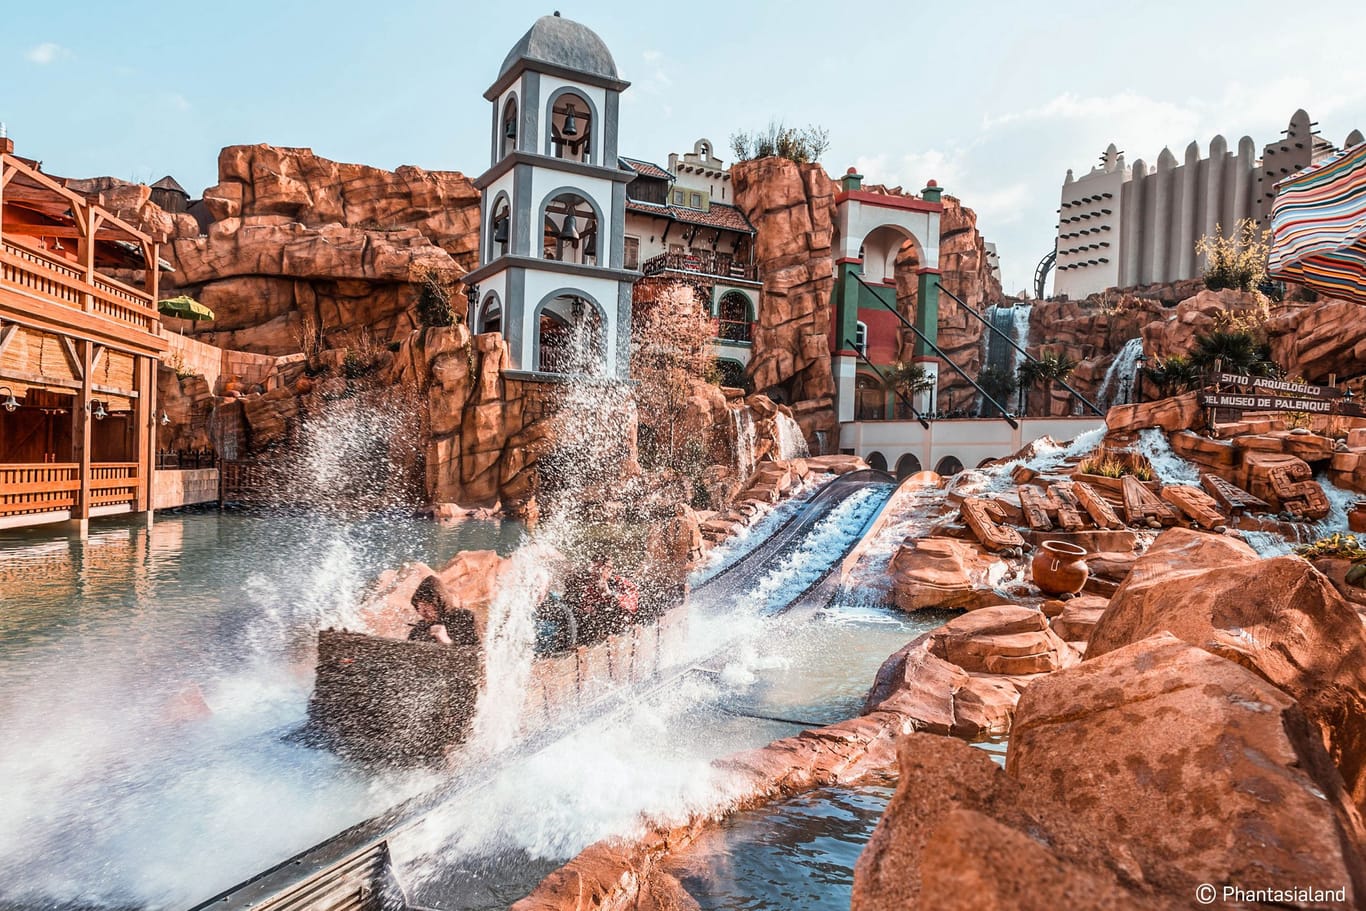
880	375
1005	415
986	322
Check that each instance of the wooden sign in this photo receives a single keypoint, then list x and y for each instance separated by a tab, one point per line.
1239	402
1142	507
1195	504
1035	504
1101	512
1267	384
1232	498
984	516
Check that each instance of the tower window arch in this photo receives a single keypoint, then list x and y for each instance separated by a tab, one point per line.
570	126
490	314
507	137
570	335
569	229
500	226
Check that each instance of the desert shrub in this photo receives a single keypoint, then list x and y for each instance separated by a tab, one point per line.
1236	260
802	145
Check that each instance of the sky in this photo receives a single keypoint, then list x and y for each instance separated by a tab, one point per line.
994	100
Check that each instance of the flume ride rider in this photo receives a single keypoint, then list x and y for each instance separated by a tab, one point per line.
602	601
438	622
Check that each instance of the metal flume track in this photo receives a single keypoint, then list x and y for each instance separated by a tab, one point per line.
351	871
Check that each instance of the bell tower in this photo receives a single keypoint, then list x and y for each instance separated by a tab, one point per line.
551	248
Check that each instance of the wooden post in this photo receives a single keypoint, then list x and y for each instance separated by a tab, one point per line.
81	513
144	433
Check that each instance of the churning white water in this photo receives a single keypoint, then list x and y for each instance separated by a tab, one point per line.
1122	370
746	440
1169	467
791	442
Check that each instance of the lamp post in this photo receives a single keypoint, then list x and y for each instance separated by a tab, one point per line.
1124	389
1137	383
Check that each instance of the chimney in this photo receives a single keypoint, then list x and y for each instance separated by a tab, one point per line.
6	144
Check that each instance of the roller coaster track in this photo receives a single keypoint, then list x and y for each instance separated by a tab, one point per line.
351	871
1041	273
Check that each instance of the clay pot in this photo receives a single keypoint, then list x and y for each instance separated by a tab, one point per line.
1059	568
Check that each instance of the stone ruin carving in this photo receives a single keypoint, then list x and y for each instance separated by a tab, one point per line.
1196	505
1043	509
1300	495
983	517
1142	506
1100	510
1232	499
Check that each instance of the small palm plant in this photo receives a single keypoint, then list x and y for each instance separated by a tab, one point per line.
1235	352
1173	375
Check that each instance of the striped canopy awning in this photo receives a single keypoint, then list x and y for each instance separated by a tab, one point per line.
1318	227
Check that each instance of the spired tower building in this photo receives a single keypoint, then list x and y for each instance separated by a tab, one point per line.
551	276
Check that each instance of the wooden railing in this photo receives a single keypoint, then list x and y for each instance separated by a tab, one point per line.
23	267
113	483
36	487
717	265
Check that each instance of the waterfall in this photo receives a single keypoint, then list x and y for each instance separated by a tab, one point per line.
1013	322
791	443
1121	369
745	440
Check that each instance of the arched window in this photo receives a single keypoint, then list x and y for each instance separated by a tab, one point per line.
508	138
491	315
732	373
569	336
733	317
877	460
500	224
949	465
907	465
571	127
570	230
870	398
861	338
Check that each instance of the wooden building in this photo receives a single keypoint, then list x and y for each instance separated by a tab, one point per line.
79	349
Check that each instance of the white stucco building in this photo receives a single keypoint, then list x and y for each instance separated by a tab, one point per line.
552	277
1120	226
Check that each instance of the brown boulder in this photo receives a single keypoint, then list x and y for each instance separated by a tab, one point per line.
1202	771
1278	617
1181	412
944	573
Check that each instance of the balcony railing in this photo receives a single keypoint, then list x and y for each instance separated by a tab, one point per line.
47	487
731	330
716	265
52	280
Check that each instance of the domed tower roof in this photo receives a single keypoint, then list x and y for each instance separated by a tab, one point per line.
566	44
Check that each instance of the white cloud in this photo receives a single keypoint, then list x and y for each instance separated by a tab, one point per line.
650	56
45	53
177	101
912	170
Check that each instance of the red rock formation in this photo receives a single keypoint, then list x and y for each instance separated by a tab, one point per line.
792	206
1280	618
1130	779
1324	338
305	252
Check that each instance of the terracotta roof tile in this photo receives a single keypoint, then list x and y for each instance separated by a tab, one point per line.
645	168
720	215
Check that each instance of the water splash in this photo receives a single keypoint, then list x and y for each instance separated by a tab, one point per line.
791	442
1120	372
746	441
1169	467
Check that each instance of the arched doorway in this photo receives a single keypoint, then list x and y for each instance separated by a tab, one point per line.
949	465
870	398
907	465
877	460
569	336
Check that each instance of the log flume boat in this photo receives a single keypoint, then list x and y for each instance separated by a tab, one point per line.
352	870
